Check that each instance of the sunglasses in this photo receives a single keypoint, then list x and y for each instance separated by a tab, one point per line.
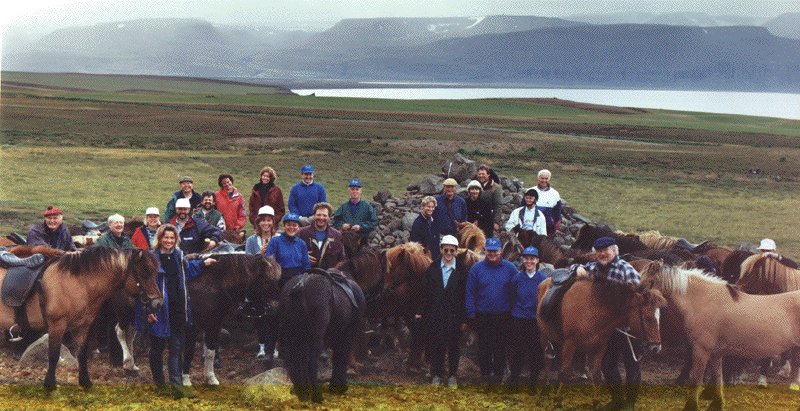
449	250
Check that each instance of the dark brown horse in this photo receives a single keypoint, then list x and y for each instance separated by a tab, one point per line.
73	286
627	243
590	312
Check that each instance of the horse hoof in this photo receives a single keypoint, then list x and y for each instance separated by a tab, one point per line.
50	387
338	389
131	373
212	381
794	387
186	380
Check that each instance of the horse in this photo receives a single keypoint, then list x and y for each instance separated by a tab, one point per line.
71	290
316	313
512	247
590	312
731	268
549	252
627	243
721	320
470	236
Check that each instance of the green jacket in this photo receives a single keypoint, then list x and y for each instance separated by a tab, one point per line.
494	196
364	217
105	240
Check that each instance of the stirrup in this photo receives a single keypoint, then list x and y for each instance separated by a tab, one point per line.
12	336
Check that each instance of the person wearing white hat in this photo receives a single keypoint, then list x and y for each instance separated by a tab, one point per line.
442	311
768	248
143	236
196	235
265	229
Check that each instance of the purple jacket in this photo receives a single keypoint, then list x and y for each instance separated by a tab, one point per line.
59	239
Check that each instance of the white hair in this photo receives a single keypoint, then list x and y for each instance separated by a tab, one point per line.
115	217
542	172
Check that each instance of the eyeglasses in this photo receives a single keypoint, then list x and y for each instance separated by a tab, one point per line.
449	250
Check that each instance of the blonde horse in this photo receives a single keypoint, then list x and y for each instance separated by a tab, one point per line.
721	320
470	236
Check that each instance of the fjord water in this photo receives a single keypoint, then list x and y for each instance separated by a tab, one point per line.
780	105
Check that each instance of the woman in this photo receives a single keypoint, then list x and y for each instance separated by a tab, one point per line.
525	341
168	324
265	192
115	237
230	203
479	212
257	244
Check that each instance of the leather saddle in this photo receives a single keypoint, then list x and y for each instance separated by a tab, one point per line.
21	276
562	279
354	294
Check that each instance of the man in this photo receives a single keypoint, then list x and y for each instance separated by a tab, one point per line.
143	236
305	194
492	193
549	202
208	211
449	209
230	203
52	232
487	303
187	191
527	221
325	246
769	249
196	234
115	237
355	215
609	267
442	311
423	231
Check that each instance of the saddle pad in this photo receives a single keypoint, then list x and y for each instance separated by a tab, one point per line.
17	285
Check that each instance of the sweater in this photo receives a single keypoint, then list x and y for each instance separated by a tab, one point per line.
303	197
524	294
289	252
488	288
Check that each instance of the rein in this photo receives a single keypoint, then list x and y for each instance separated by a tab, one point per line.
629	336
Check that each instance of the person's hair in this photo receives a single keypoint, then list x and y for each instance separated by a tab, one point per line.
429	199
115	217
222	177
269	170
323	205
544	172
485	168
262	217
160	235
209	193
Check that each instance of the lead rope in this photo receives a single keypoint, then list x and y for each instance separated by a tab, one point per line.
628	338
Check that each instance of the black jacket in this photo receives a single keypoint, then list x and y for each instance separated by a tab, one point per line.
442	309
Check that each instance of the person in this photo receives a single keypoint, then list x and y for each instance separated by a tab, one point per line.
491	193
265	229
609	267
525	339
487	302
527	221
423	231
549	202
186	191
230	203
265	192
257	244
449	209
167	326
479	212
196	235
143	236
291	254
208	211
305	194
355	214
441	309
324	243
115	237
768	248
52	232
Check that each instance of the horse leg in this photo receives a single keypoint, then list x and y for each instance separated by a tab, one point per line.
699	360
595	360
81	340
317	345
210	345
56	334
188	354
564	371
763	369
794	361
126	337
341	351
415	348
683	377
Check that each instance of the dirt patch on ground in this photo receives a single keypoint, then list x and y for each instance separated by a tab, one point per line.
583	106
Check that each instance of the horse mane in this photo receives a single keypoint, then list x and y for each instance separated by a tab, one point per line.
410	256
93	260
764	275
731	267
674	279
470	236
612	293
467	257
654	239
23	251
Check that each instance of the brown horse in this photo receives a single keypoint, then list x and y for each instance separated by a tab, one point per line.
590	312
73	286
627	243
470	236
721	320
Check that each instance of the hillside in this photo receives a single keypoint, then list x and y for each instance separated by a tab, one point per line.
786	25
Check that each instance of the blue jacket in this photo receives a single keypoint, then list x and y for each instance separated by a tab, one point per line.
302	198
425	234
194	234
188	270
524	294
444	217
194	201
489	288
289	252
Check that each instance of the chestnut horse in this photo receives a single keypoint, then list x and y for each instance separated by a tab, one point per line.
73	287
590	312
470	236
721	320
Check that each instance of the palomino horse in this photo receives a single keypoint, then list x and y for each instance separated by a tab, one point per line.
73	286
721	320
590	312
470	236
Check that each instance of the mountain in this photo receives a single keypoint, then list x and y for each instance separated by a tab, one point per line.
673	19
786	25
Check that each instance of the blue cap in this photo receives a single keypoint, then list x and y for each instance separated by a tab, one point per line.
306	169
354	183
603	242
291	217
493	244
531	251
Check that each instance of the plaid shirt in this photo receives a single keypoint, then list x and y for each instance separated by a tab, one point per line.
616	270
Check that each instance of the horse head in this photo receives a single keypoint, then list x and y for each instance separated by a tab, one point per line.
353	243
467	258
140	279
470	236
645	320
267	275
512	248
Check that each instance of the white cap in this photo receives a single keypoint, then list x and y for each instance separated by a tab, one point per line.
152	210
266	210
183	203
767	244
474	183
449	240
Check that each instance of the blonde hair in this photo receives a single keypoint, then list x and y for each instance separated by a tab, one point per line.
160	235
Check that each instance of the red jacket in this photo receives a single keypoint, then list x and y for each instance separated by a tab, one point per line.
273	198
139	238
232	209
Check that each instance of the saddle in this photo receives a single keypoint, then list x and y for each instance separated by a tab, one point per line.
562	279
338	279
20	278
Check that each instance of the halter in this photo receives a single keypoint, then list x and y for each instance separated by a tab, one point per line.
141	294
629	336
